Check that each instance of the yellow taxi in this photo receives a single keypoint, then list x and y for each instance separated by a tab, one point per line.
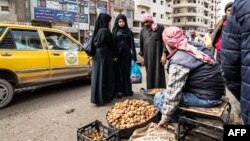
31	56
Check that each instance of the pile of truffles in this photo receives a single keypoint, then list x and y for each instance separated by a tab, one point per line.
95	135
130	113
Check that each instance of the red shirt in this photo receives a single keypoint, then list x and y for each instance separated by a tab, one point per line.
218	38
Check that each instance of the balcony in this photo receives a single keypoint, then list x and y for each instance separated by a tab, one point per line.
165	22
180	5
144	3
184	14
197	24
123	4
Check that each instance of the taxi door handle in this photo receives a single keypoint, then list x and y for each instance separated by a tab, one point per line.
6	54
56	54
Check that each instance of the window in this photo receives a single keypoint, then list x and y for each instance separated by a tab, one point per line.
142	24
136	24
92	18
154	14
4	8
169	18
142	12
178	20
41	3
129	14
154	1
1	30
162	2
7	42
58	41
64	6
26	39
162	16
194	20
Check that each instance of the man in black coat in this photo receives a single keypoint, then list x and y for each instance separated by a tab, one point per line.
235	55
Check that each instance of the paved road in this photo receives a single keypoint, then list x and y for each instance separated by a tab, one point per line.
42	114
52	113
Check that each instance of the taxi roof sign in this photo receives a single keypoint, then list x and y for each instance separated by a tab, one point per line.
15	23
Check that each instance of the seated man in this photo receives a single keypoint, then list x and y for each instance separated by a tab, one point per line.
194	78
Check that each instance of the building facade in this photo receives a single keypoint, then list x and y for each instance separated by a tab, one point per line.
160	9
196	15
7	11
15	11
125	7
96	7
61	14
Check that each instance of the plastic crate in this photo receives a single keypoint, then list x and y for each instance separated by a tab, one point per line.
111	134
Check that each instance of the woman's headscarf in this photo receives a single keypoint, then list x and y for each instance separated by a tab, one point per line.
102	21
175	39
146	17
116	26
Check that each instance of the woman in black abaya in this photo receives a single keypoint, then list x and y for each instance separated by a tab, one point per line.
124	45
102	80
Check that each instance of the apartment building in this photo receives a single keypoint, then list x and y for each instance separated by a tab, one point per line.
7	11
125	7
95	7
160	9
196	15
15	11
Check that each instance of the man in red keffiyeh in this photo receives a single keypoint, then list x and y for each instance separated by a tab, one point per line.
194	78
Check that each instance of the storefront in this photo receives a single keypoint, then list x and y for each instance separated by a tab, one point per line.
60	14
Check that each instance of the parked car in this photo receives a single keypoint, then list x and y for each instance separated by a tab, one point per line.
32	56
137	49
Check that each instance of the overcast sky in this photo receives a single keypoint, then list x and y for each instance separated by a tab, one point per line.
223	3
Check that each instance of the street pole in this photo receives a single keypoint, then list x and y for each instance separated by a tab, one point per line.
109	7
215	12
78	20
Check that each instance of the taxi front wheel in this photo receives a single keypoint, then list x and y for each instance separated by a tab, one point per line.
6	93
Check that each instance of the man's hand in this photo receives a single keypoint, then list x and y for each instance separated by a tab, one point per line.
142	61
162	123
163	59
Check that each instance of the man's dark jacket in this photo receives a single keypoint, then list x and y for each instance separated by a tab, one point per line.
235	55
